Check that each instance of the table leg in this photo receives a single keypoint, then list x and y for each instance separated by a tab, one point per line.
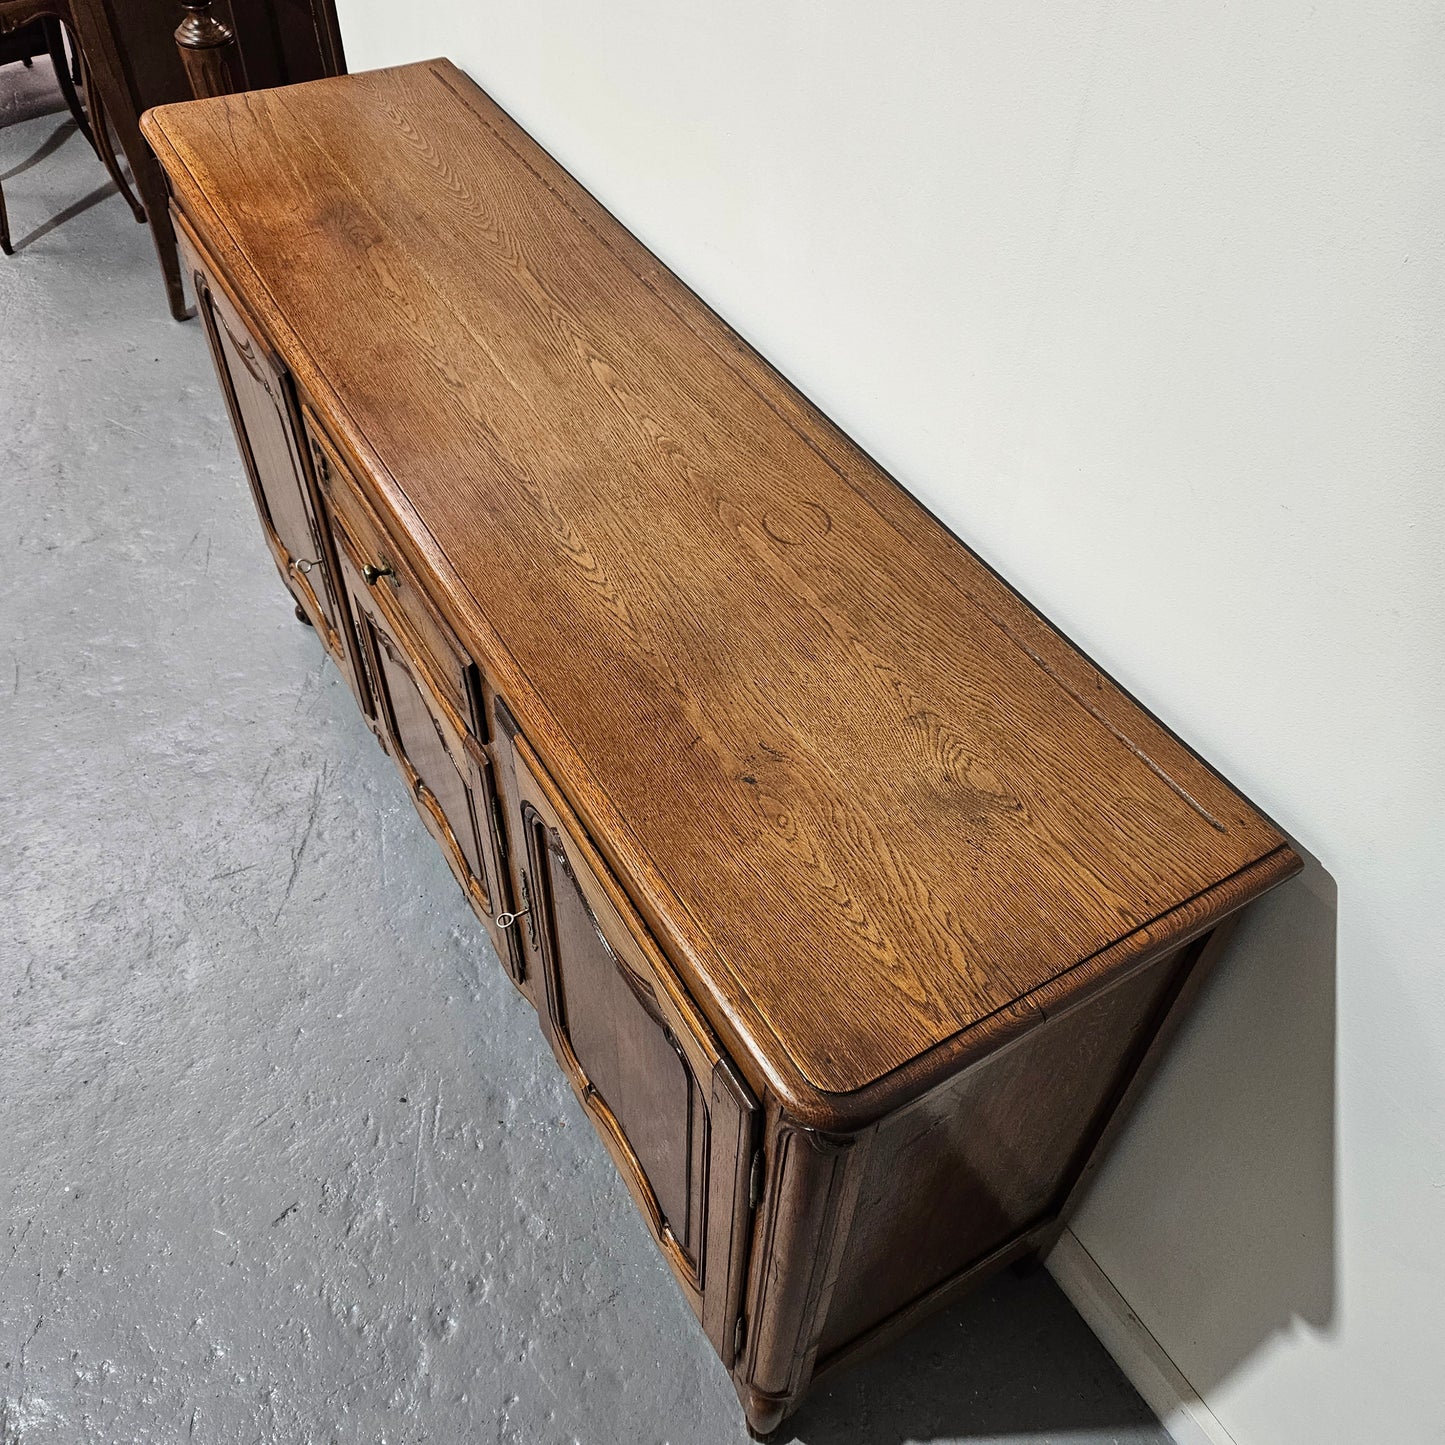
113	94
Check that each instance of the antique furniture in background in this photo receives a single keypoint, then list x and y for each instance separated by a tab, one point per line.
282	41
53	21
209	51
45	37
854	901
98	133
24	44
132	54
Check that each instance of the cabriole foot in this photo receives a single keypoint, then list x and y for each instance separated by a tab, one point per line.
764	1415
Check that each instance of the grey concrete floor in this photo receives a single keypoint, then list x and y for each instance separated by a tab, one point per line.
283	1156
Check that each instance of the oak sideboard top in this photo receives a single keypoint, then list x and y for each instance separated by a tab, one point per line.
873	805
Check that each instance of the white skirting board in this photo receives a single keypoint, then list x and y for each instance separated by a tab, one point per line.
1138	1354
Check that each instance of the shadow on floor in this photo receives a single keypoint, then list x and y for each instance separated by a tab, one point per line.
31	95
51	144
73	210
1012	1362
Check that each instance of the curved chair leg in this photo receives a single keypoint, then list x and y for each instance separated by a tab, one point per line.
55	44
103	147
90	20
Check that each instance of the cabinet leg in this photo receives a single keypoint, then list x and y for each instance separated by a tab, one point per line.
764	1415
302	617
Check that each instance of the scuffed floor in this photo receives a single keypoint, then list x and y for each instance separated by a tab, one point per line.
283	1157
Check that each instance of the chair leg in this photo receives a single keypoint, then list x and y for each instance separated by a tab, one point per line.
103	147
5	245
112	96
55	44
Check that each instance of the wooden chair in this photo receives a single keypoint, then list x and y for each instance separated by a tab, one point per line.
47	36
109	93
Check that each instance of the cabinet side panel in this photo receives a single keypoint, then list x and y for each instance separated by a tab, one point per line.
982	1158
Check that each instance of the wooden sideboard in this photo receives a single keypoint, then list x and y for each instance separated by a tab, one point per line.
853	900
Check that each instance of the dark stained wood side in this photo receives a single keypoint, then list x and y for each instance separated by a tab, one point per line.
754	618
987	1156
1200	959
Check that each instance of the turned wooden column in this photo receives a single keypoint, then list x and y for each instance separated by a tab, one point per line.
209	51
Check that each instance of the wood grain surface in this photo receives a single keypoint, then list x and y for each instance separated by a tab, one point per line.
866	797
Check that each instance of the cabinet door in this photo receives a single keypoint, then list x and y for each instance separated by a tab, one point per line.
447	771
669	1106
263	415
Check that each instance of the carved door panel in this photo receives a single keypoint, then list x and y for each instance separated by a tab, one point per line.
263	415
671	1109
447	771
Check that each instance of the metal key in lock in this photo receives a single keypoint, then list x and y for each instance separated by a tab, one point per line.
507	919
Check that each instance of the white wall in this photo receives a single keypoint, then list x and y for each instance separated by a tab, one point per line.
1145	300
